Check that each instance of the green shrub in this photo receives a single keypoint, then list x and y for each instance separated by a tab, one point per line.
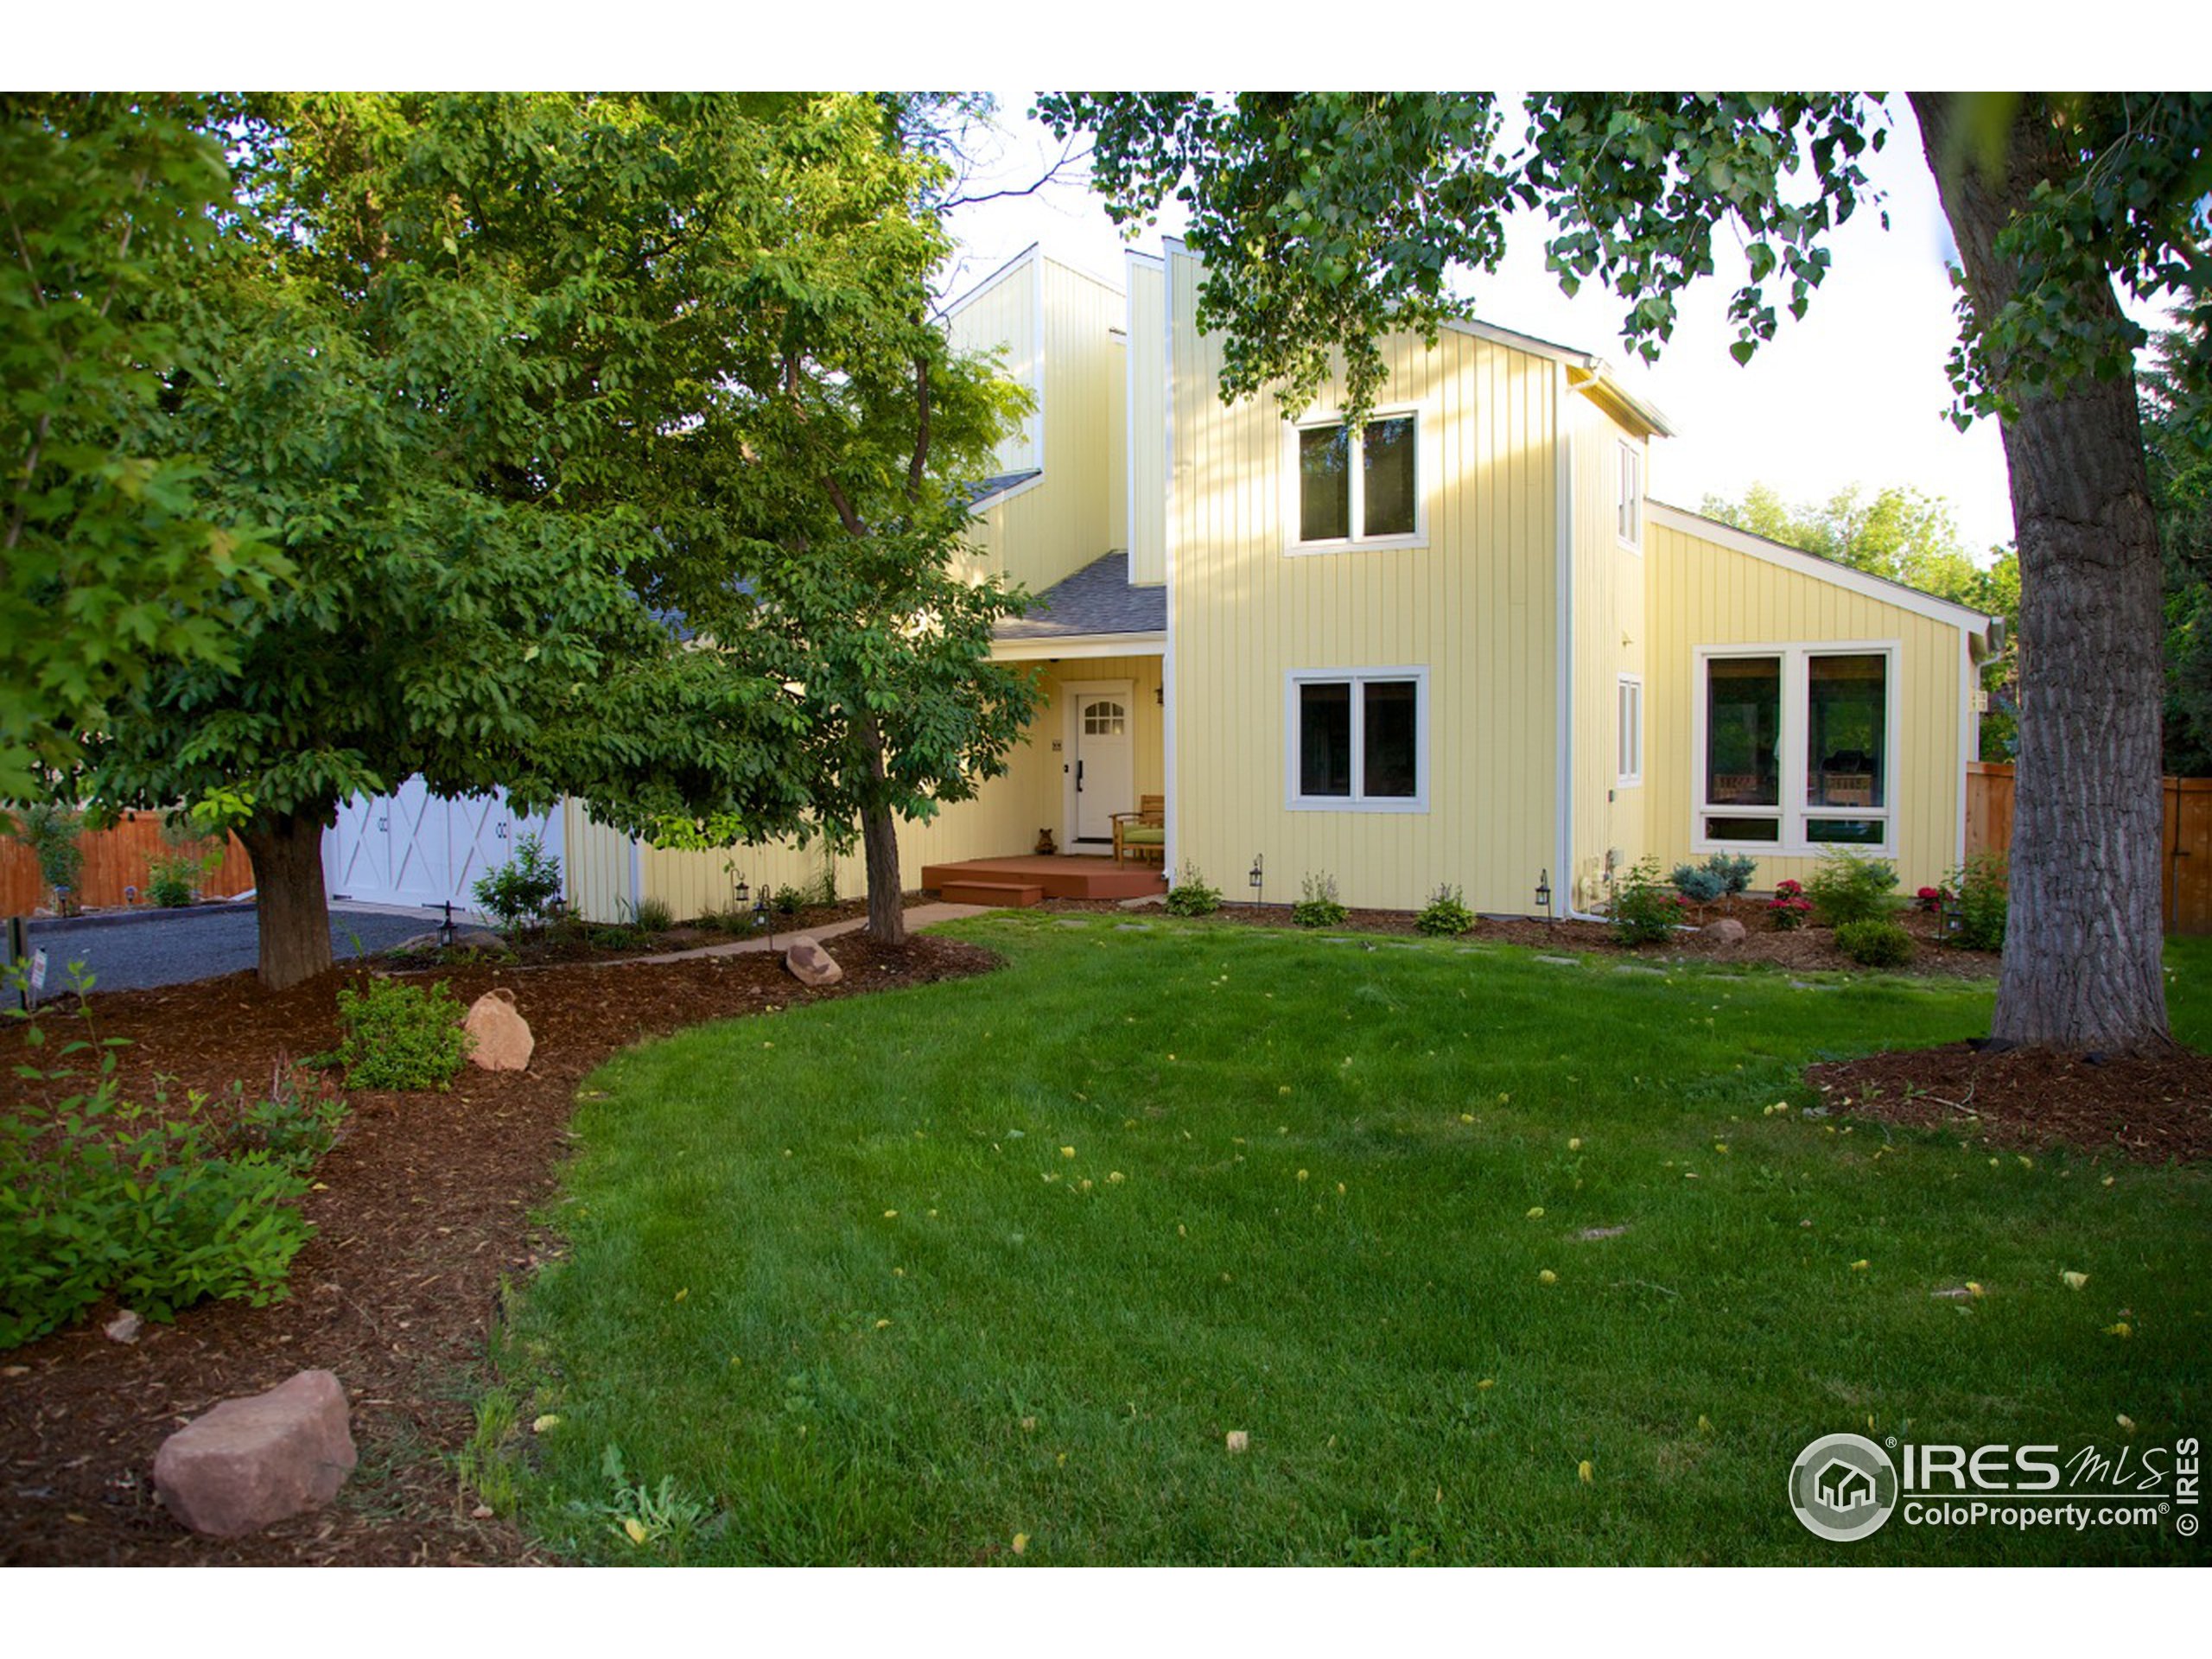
653	916
1700	886
1191	896
400	1036
1645	909
101	1197
1447	915
171	879
522	891
1852	887
1981	891
1875	942
51	832
1317	905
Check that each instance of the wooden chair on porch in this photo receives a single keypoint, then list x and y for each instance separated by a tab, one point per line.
1143	833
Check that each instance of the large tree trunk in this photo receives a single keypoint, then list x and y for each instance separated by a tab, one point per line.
2081	967
886	909
288	898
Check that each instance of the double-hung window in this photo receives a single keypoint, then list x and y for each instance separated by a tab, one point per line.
1629	769
1627	513
1357	740
1362	493
1795	748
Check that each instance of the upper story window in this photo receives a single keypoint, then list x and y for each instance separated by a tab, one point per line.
1360	494
1628	522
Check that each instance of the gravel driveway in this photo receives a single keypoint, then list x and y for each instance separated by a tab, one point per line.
170	947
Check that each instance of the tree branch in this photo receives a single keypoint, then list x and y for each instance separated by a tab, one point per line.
916	469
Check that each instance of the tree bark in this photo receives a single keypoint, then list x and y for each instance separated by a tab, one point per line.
2082	968
291	907
886	910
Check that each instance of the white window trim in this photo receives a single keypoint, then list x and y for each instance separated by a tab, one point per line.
1417	802
1628	496
1629	777
1793	811
1424	470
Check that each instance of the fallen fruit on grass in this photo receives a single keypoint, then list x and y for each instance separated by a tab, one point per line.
1547	1277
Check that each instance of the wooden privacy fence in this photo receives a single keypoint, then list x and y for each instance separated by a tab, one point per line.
2185	843
114	858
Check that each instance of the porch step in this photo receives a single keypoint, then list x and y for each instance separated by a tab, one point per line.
1005	895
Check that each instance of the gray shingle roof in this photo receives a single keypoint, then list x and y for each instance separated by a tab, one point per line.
983	489
1096	598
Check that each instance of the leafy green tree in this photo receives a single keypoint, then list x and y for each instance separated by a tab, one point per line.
1327	220
111	556
438	409
825	540
618	460
2177	435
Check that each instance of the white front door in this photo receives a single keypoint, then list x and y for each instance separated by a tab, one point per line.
1101	739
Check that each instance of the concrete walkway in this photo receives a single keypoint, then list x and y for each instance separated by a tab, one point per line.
920	916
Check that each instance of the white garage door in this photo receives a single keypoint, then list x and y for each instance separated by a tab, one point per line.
414	847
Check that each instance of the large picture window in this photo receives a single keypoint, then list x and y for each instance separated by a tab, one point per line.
1795	747
1352	494
1358	741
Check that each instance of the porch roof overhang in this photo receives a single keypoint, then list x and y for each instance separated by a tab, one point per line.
1097	611
1078	646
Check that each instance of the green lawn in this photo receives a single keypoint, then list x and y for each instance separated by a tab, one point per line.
908	1278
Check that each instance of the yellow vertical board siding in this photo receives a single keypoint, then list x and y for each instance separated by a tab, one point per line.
1002	317
1057	329
1146	404
599	866
1608	604
1004	818
1117	441
1704	593
1474	607
694	884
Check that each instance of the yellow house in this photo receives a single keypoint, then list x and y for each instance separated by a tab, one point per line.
1468	650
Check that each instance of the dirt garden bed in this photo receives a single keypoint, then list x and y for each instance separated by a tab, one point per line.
1804	950
423	1211
2154	1111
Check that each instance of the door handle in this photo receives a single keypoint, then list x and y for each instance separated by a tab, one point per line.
1078	777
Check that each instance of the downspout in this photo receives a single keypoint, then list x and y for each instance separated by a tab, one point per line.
1172	714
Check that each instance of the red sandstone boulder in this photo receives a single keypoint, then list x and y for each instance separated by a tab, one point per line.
503	1039
250	1463
810	965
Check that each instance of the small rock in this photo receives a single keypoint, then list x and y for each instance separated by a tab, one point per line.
1239	1440
809	963
1726	930
502	1039
124	1327
252	1462
1146	902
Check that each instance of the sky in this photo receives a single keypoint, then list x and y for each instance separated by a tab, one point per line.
1855	393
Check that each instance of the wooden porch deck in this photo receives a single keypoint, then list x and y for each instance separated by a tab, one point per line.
1024	879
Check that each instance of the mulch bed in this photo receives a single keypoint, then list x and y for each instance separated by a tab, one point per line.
424	1210
1803	949
2154	1111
